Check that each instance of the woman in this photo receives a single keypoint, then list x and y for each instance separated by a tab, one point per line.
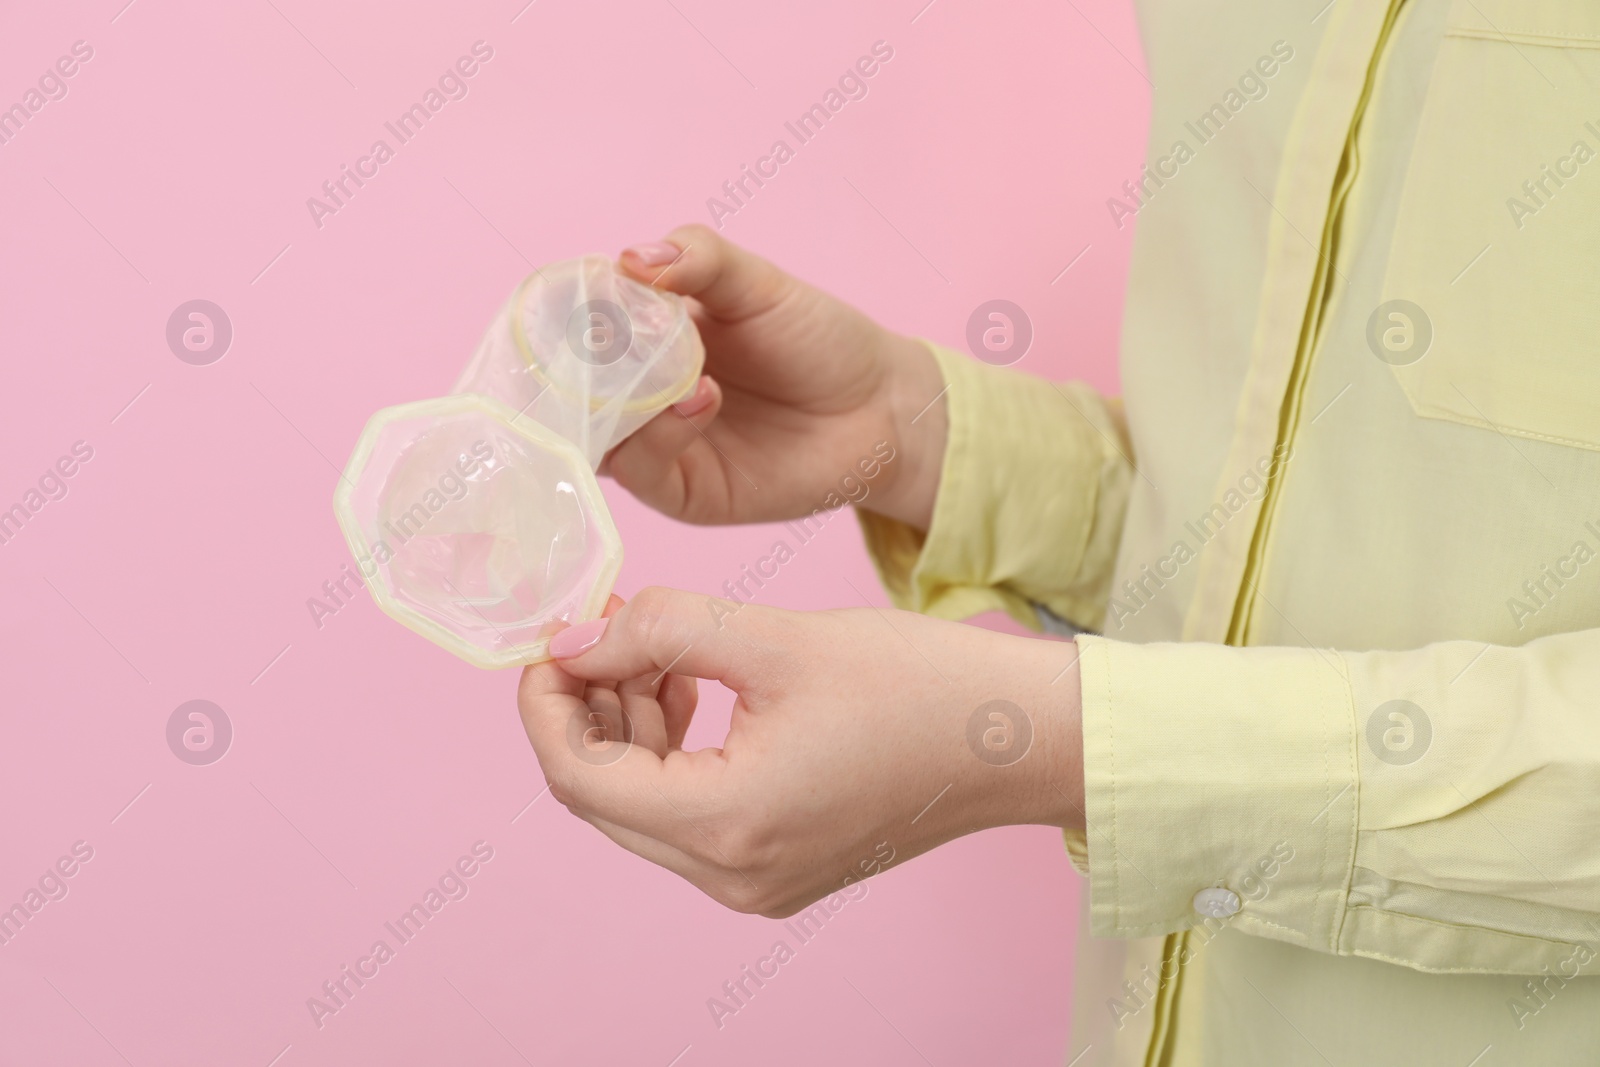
1333	768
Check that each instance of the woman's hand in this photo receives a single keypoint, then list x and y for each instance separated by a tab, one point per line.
856	735
800	392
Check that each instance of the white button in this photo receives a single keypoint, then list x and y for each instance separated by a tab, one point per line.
1216	902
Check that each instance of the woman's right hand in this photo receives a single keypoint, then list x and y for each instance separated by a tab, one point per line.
800	393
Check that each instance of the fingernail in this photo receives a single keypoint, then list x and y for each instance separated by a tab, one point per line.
697	401
654	254
578	639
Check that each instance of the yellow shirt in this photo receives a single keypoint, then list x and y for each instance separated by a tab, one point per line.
1345	556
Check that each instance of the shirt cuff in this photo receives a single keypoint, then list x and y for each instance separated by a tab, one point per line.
1031	498
1220	788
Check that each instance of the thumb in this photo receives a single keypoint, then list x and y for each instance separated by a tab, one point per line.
695	260
662	630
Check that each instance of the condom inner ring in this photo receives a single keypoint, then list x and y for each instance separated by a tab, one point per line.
596	337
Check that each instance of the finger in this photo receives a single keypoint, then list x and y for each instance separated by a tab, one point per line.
630	711
607	721
641	712
659	708
596	775
680	695
661	460
666	630
674	428
548	677
695	260
543	681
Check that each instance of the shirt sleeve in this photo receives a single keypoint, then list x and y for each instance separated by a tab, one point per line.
1023	455
1436	808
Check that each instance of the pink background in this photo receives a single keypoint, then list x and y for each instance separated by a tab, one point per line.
365	760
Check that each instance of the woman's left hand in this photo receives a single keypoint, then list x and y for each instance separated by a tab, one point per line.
854	732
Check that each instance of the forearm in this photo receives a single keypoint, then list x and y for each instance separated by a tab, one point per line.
1440	805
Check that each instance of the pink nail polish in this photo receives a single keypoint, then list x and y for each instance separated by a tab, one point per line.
654	254
697	401
575	640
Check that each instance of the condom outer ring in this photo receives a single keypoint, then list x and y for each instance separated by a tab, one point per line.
588	487
638	404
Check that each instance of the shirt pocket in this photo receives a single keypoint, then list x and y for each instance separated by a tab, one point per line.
1490	312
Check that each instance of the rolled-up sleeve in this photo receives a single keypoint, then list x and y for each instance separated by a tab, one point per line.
1031	500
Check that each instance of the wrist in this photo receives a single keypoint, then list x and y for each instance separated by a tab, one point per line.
1061	773
1051	792
915	409
1025	735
